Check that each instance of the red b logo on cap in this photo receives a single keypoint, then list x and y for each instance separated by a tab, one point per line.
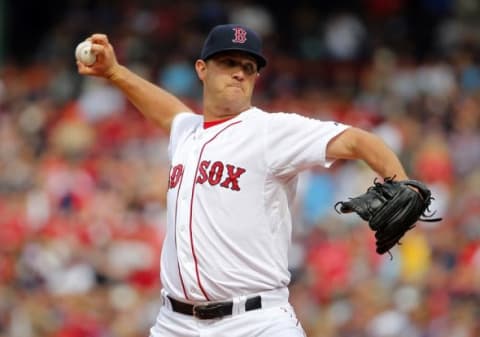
240	35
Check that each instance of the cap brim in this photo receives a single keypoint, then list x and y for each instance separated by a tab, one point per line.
261	60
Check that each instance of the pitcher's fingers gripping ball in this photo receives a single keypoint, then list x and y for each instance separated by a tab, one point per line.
391	209
95	56
84	53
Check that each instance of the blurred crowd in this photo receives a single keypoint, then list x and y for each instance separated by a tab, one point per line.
83	176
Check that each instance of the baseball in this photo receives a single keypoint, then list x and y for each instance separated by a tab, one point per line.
84	54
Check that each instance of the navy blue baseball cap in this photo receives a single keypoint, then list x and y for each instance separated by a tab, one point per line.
236	38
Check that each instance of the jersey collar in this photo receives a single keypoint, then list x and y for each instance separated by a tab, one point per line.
207	125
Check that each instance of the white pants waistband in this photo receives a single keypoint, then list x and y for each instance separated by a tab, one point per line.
269	298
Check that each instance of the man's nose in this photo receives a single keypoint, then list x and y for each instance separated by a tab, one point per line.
239	73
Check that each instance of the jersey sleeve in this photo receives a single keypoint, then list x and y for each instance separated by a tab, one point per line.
182	124
294	142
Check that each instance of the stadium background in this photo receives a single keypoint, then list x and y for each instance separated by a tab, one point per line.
83	176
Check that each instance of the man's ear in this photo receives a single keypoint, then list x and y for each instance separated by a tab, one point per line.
201	68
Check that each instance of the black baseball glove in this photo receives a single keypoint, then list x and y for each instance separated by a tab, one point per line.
391	209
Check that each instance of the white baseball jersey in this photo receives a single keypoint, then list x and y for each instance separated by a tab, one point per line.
229	223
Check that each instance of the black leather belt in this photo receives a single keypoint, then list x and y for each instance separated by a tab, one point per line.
212	310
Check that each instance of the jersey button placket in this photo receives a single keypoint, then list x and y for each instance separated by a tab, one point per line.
185	205
194	160
184	253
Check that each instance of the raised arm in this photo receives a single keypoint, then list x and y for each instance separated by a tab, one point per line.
355	143
155	103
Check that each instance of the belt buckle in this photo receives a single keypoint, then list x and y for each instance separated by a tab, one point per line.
207	311
195	310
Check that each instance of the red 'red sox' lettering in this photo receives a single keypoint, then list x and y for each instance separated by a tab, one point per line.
175	176
232	178
217	173
202	172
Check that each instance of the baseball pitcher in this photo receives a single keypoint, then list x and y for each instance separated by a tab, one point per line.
233	176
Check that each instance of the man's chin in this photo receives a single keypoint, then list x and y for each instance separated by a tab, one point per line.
236	103
235	97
